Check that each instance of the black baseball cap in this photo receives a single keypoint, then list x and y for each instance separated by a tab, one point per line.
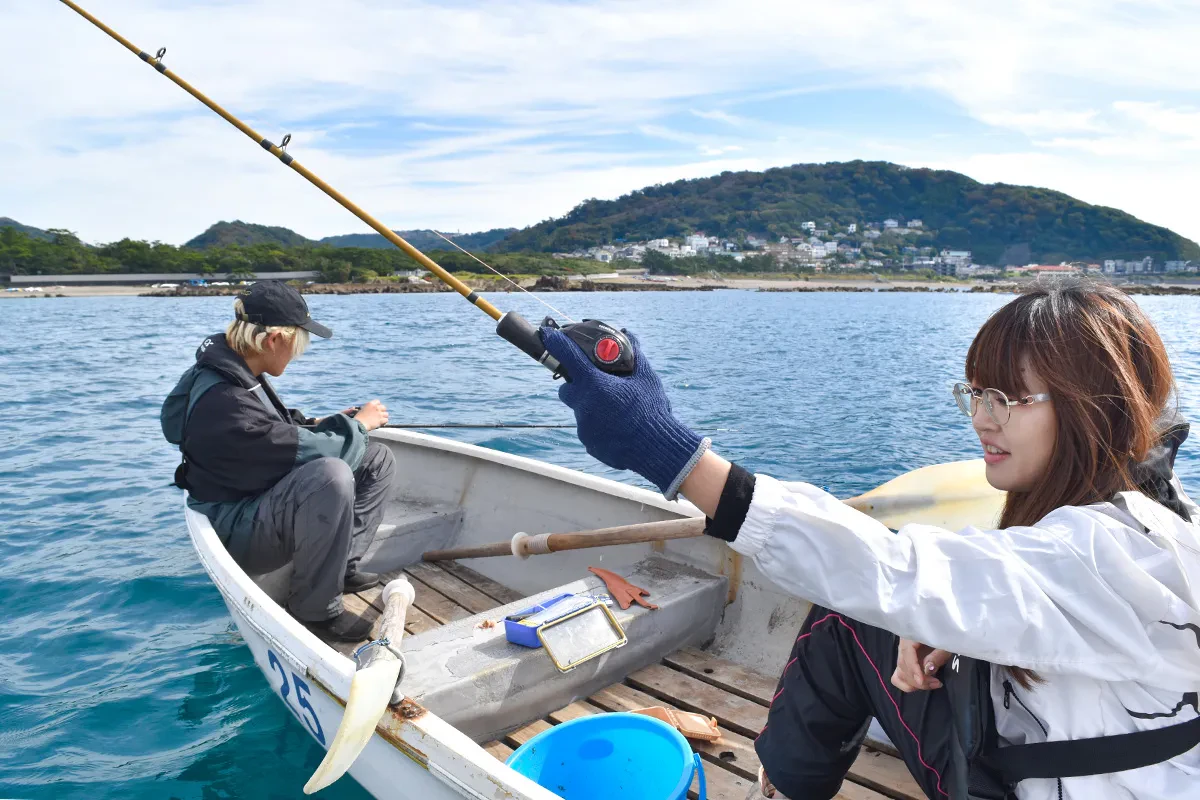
276	303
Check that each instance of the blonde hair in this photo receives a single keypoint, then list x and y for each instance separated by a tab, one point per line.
246	338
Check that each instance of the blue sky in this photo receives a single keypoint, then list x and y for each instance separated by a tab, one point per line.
472	115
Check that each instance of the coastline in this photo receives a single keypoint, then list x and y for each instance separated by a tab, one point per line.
821	284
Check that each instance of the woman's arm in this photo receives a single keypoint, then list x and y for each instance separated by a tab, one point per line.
1065	596
704	485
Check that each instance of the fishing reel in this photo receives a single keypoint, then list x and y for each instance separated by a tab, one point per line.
606	347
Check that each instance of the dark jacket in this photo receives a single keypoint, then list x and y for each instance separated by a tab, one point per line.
238	439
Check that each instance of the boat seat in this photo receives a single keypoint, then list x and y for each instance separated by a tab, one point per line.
408	530
471	676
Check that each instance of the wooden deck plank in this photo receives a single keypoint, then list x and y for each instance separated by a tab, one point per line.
852	791
723	674
886	775
455	588
575	711
499	750
435	604
722	784
522	735
732	712
493	589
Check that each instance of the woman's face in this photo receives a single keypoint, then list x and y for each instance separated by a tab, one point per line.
1018	452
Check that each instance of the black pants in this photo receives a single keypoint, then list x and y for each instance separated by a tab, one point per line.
836	679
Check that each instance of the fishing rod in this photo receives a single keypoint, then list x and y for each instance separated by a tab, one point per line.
608	348
488	425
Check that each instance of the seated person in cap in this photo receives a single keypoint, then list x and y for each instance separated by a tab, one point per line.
279	486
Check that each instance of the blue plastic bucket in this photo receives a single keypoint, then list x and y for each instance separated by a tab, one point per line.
611	757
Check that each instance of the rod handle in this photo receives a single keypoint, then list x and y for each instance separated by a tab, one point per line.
518	331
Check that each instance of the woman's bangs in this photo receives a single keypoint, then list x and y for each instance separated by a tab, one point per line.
994	359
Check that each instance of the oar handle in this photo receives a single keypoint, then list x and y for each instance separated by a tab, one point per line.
479	551
524	545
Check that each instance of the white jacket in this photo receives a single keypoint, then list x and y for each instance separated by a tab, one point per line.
1102	601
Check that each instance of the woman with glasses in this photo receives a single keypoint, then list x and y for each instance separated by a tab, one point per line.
1078	617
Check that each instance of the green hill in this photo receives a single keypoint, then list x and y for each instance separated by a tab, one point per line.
245	234
28	230
423	239
957	212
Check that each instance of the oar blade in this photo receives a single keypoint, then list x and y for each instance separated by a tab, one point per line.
370	693
955	495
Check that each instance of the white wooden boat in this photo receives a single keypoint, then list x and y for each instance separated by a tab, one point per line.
467	687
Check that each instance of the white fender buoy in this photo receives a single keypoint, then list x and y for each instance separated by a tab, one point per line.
370	691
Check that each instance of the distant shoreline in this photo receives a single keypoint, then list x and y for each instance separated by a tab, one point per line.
815	284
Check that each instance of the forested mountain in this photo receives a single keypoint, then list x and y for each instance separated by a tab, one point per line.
958	212
423	239
28	230
245	234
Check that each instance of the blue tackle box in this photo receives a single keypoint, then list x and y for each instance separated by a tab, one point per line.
522	627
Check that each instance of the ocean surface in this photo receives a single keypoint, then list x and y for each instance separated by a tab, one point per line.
121	675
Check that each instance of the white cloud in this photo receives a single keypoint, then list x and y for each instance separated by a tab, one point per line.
723	116
511	100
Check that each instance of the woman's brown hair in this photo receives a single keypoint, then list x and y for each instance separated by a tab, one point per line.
1109	379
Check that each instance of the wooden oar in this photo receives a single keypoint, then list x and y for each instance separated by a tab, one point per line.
372	689
953	496
524	545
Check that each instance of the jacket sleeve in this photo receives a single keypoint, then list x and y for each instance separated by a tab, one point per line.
1069	595
336	436
299	418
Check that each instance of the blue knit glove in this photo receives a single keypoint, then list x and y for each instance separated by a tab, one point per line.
626	422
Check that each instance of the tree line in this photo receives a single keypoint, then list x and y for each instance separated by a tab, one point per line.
62	253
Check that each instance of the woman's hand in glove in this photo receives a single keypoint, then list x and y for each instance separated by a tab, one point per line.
626	421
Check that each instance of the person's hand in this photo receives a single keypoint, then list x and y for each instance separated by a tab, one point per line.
372	415
917	666
765	788
626	421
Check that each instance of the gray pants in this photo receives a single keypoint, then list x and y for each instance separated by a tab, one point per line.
321	517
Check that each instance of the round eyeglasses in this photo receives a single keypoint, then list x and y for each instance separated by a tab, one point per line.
996	402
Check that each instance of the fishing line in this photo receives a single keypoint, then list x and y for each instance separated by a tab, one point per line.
502	275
